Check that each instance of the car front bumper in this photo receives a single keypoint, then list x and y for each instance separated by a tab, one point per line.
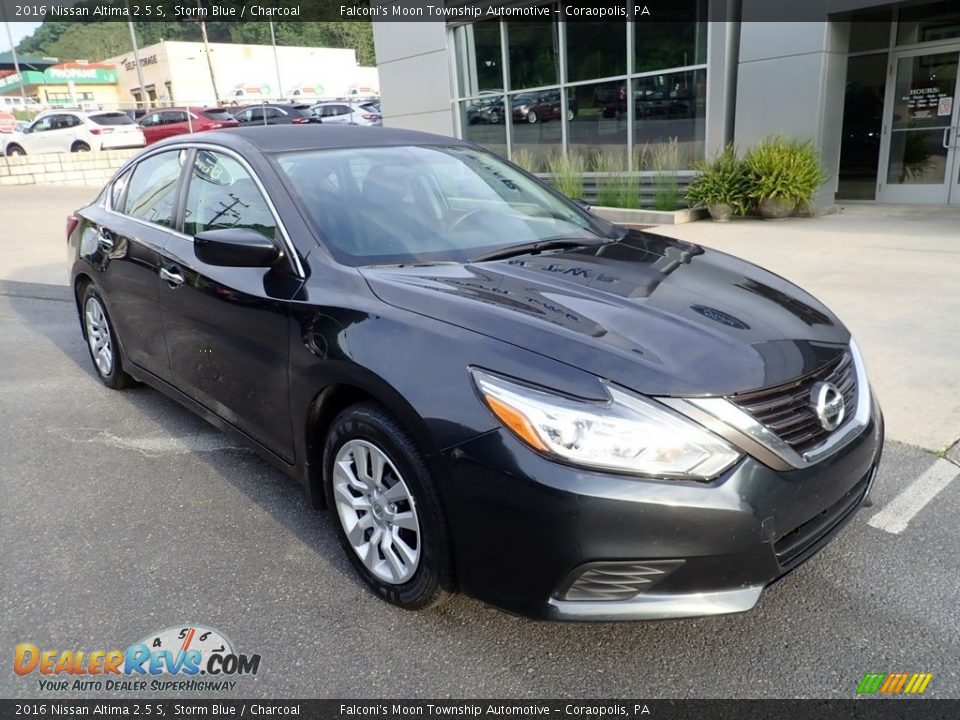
523	526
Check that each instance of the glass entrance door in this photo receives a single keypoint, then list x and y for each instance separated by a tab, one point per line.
921	145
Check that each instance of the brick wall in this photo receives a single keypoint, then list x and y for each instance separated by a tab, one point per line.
83	168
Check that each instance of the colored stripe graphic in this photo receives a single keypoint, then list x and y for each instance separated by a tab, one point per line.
894	683
871	683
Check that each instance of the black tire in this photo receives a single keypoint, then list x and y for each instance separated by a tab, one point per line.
116	378
80	147
15	150
532	117
432	582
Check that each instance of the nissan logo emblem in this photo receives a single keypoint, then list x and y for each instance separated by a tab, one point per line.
827	402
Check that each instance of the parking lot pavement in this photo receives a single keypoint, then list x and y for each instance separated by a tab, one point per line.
123	514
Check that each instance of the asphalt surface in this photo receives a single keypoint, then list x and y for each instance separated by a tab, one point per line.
122	514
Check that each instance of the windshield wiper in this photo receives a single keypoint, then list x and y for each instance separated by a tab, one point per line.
533	248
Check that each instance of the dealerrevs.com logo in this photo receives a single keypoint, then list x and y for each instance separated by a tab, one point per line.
181	659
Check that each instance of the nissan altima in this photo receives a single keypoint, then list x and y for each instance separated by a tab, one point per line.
491	389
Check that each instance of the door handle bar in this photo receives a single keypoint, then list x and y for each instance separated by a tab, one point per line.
171	276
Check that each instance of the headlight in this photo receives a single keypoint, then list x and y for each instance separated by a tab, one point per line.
625	433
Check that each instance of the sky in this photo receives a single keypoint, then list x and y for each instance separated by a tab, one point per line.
19	30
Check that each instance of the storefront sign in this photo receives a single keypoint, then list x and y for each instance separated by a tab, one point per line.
923	102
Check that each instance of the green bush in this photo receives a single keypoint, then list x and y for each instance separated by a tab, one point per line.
722	180
783	169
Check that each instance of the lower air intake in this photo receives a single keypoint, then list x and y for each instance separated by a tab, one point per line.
611	581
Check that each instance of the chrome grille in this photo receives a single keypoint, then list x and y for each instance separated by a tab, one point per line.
615	580
786	410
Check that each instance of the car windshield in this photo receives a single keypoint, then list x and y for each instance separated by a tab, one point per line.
113	118
414	205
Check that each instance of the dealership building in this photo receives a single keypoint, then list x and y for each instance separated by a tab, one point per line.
873	85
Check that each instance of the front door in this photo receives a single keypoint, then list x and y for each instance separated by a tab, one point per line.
228	328
921	144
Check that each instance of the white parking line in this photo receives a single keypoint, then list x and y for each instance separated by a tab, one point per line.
895	517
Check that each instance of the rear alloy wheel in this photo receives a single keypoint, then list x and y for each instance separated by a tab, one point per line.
532	117
80	147
102	341
390	521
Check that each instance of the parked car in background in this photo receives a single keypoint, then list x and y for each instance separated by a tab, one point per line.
161	124
76	131
16	102
491	388
347	113
275	114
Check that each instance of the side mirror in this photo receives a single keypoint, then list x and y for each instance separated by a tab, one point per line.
235	247
581	203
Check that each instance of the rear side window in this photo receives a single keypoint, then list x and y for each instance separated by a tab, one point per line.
113	118
223	195
152	194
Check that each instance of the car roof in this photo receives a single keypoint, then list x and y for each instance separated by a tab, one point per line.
278	138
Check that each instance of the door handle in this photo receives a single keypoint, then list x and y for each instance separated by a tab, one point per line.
946	137
105	239
172	276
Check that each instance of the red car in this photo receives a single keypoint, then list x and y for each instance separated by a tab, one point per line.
168	122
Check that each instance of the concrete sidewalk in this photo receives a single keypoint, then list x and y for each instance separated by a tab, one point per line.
892	274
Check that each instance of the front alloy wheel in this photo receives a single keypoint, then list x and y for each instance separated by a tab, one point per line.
377	512
390	519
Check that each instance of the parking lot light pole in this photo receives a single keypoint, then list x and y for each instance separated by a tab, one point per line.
13	53
276	63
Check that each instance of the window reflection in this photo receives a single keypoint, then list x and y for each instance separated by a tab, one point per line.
534	58
671	106
673	40
596	50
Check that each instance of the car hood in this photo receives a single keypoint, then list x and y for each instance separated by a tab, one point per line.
654	314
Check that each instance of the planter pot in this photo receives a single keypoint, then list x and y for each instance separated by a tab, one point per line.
720	212
775	208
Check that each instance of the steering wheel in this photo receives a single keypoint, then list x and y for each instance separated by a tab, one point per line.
468	216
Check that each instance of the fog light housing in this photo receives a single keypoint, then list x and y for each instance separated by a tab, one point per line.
610	581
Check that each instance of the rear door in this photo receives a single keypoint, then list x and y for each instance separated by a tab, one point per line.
122	242
228	328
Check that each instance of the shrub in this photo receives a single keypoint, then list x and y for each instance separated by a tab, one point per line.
567	174
525	159
722	180
784	169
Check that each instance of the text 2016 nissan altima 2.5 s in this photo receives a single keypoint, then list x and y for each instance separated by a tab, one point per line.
492	390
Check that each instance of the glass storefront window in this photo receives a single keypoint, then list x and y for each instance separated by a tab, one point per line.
669	43
598	128
482	122
596	50
926	23
670	106
536	125
478	57
862	124
534	56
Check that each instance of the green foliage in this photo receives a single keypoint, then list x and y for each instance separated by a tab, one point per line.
525	159
610	165
722	180
100	40
666	183
567	174
786	169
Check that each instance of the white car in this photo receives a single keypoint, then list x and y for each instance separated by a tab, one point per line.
60	131
347	113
